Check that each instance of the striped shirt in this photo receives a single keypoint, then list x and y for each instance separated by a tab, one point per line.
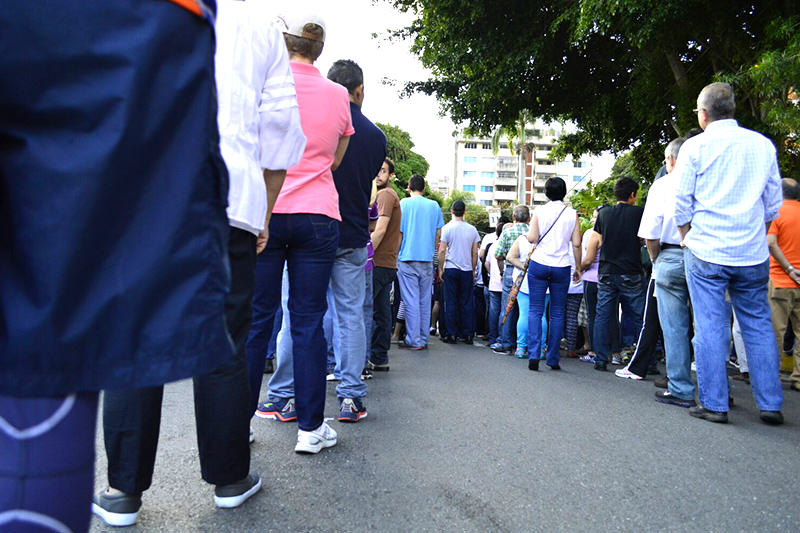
729	187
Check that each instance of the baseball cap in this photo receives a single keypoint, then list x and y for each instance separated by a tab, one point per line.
294	22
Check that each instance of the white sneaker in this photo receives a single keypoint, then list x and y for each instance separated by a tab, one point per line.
252	438
626	374
313	441
331	377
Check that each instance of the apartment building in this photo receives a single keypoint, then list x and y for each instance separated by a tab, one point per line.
504	178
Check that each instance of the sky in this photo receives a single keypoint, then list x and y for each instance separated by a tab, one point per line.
350	25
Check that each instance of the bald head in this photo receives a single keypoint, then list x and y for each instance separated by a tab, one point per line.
716	102
790	189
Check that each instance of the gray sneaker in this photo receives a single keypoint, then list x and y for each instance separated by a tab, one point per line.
235	494
118	509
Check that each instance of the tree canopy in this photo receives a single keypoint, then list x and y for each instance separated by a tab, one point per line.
626	72
406	161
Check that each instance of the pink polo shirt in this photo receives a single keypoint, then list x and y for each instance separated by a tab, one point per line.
325	117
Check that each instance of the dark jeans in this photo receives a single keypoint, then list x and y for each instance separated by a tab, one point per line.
132	417
479	302
628	290
307	244
590	296
382	280
573	307
458	303
645	354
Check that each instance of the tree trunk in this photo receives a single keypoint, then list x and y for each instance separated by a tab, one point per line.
678	71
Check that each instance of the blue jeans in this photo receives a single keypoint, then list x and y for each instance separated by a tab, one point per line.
348	284
508	331
672	297
416	282
540	278
307	244
367	316
494	315
459	303
281	383
625	288
747	287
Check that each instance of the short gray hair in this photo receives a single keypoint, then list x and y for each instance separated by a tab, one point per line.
522	214
717	101
673	148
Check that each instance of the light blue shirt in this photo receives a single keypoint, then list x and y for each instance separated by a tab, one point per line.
729	187
420	219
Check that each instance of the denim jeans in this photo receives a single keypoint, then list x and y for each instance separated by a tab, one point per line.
281	383
307	244
590	297
348	284
747	286
540	278
628	290
367	315
416	283
382	280
494	315
508	331
672	297
330	328
459	304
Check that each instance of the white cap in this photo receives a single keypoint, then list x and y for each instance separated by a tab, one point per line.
294	22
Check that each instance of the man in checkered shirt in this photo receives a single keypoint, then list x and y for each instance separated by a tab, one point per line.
729	191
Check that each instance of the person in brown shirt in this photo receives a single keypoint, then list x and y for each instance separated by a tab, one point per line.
386	240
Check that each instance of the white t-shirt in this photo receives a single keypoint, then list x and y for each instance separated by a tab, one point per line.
461	237
524	250
658	219
553	247
495	277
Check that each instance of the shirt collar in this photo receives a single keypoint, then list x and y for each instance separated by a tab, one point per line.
305	68
723	123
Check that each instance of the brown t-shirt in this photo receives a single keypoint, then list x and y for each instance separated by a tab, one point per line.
389	206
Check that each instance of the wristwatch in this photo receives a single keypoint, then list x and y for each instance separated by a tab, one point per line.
790	269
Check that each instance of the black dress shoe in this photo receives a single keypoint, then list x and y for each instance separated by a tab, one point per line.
601	366
773	418
466	340
449	339
661	382
533	364
555	367
712	416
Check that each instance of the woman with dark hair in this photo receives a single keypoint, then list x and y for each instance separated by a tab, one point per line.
554	226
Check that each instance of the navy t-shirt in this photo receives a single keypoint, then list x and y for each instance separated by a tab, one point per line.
361	163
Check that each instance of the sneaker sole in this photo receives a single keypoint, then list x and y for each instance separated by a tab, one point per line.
275	416
675	401
230	502
351	420
314	448
115	519
632	376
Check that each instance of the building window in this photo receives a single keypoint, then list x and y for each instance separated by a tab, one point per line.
486	202
489	175
504	146
506	175
470	159
577	178
468	188
487	188
578	164
486	146
543	162
470	145
470	173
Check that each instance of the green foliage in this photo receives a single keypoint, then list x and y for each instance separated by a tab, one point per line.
602	193
475	214
406	162
627	72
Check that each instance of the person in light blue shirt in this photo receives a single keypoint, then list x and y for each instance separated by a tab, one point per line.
729	190
421	223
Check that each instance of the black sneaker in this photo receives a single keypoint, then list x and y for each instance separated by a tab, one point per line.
499	349
117	510
533	364
351	410
773	418
378	367
235	494
449	339
366	374
712	416
466	340
665	396
269	367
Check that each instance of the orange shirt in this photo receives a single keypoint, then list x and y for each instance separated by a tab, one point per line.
787	229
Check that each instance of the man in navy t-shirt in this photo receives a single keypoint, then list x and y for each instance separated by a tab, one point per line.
353	179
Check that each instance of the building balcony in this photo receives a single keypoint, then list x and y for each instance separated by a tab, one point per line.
505	196
540	198
549	169
506	181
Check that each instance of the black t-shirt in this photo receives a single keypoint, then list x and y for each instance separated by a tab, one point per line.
620	252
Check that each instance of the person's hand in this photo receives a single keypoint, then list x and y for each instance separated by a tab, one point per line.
576	276
795	275
261	241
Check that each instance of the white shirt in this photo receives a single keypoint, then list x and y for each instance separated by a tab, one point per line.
729	188
524	250
258	120
495	277
658	219
554	247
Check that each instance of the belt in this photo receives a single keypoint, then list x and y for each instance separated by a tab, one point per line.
666	245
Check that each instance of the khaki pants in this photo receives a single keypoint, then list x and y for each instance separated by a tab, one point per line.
785	303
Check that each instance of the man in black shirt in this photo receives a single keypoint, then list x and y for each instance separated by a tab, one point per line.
620	271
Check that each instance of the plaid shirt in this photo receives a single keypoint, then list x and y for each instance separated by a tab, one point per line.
507	239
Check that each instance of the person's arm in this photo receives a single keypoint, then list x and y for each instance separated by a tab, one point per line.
513	256
380	231
777	254
474	258
533	230
274	181
340	151
653	248
595	241
442	257
576	243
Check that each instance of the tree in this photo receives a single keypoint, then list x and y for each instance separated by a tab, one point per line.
475	214
602	193
406	161
626	72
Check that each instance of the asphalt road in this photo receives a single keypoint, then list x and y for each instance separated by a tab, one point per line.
460	439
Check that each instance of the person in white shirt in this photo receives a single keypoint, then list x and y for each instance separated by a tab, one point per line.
729	190
261	137
516	256
495	288
554	227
